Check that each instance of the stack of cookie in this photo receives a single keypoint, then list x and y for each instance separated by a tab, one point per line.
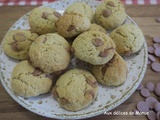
47	52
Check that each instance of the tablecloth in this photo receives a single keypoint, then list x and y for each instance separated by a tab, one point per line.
42	2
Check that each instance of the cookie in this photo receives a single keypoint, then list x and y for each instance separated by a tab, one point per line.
28	81
70	25
50	53
95	27
110	14
128	39
93	47
75	89
80	8
113	73
42	20
16	43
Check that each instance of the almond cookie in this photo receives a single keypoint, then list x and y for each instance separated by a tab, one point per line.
95	27
50	53
93	47
16	43
42	20
75	89
70	25
28	81
113	73
80	8
128	39
110	14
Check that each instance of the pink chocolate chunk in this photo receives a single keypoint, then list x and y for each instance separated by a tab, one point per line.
150	102
158	115
150	86
155	66
157	52
157	90
142	106
145	92
156	45
151	58
156	39
151	115
150	49
140	86
156	106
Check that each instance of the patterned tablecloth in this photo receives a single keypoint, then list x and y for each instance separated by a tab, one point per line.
42	2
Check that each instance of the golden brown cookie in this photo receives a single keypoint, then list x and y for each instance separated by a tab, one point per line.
75	89
128	39
70	25
110	14
113	73
28	81
94	47
16	43
50	52
42	20
80	8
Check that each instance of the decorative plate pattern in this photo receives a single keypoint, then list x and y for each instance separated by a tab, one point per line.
108	97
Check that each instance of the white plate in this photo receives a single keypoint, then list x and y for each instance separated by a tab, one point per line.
108	97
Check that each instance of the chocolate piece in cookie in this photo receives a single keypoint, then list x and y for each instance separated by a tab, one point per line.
16	43
94	47
42	20
71	25
110	14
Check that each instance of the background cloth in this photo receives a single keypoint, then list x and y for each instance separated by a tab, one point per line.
43	2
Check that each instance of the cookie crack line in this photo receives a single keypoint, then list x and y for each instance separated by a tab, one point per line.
69	83
91	49
20	79
131	33
118	32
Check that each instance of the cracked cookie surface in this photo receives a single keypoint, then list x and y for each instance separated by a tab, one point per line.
80	8
113	73
42	20
50	52
94	47
128	39
16	43
70	25
28	81
75	89
110	14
